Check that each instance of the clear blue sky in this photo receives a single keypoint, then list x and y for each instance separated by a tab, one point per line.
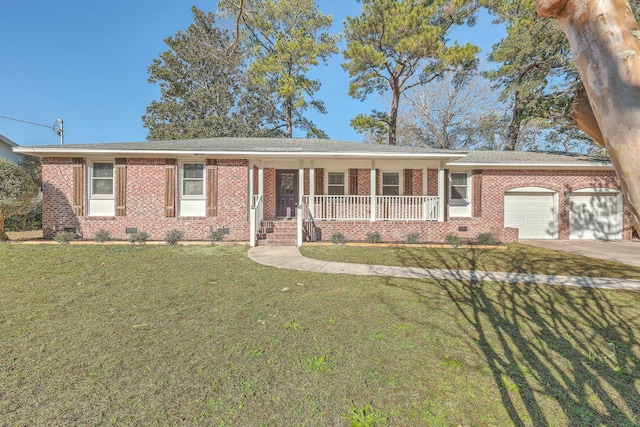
86	62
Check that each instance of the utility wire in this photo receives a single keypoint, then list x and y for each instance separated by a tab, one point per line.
24	121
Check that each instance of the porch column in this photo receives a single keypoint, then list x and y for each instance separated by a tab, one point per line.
250	186
300	206
312	188
373	191
300	182
425	181
441	192
261	188
261	178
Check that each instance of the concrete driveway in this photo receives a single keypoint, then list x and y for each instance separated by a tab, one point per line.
623	251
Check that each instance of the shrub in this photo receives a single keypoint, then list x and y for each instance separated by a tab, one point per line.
486	239
102	236
17	192
27	222
64	237
173	237
452	240
338	238
374	237
140	237
216	236
413	238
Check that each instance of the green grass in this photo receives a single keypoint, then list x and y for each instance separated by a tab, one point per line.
200	335
517	258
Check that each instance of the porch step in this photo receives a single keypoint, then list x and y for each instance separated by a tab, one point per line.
278	233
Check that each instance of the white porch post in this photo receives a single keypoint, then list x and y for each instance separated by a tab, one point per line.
250	186
425	181
441	192
425	192
261	178
253	227
261	189
312	188
373	191
300	182
299	206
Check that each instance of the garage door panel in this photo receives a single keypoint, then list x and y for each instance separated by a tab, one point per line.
533	214
595	216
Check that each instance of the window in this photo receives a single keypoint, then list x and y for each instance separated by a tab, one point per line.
192	200
459	187
335	185
390	184
102	180
193	180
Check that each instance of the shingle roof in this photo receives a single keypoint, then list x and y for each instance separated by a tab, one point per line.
283	145
325	147
521	158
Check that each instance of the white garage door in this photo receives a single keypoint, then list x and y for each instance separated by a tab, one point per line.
595	215
533	213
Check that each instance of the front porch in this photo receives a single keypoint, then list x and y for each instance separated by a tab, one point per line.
351	193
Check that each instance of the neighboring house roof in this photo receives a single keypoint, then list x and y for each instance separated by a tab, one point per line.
324	148
7	141
6	149
530	159
262	147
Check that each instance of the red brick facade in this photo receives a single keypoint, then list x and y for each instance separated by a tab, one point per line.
146	182
145	202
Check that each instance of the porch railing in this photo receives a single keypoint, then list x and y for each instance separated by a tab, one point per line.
255	219
387	208
340	207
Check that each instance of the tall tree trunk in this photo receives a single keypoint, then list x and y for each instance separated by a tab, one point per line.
289	120
512	137
393	114
605	40
513	132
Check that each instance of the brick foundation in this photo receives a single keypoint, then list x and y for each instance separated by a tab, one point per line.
429	232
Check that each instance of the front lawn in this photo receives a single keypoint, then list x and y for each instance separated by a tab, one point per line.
516	258
197	335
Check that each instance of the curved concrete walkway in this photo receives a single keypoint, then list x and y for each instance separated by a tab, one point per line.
291	258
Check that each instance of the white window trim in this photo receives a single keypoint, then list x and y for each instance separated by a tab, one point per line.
182	196
400	181
460	202
345	174
111	196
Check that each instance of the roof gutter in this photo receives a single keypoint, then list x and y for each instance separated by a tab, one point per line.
262	154
586	165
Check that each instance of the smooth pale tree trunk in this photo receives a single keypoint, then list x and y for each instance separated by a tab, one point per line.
605	40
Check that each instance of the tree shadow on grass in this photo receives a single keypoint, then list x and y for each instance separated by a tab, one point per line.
576	346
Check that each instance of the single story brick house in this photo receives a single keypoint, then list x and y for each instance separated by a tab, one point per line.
289	191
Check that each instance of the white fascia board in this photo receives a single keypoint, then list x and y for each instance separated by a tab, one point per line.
241	154
531	166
